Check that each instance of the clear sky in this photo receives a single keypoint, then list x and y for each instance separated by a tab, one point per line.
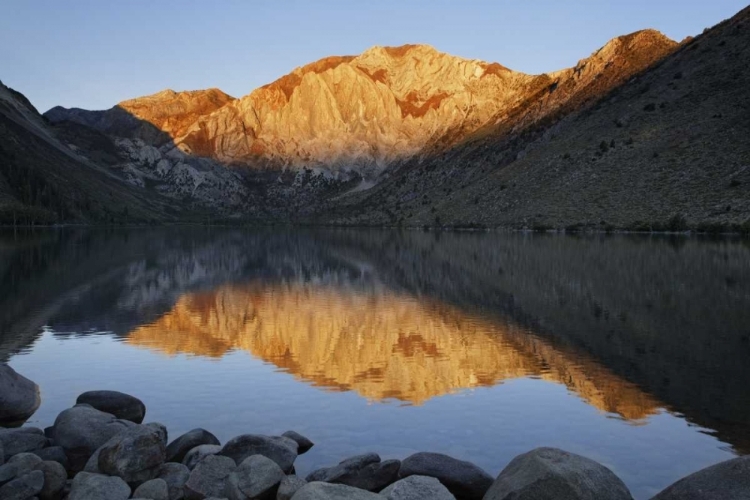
95	53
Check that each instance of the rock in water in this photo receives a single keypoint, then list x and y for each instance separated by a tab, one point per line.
278	449
81	430
417	488
463	479
175	475
194	456
289	486
330	491
155	489
21	440
19	396
23	487
87	486
549	473
134	455
256	478
178	448
725	480
303	444
120	405
366	472
209	478
55	477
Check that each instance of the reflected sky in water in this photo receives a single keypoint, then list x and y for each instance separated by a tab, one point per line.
631	351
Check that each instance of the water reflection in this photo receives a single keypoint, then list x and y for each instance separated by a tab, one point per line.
379	344
456	335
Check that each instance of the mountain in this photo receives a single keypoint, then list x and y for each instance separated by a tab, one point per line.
366	112
667	149
44	180
645	133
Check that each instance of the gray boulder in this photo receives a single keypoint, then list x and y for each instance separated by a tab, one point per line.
175	475
155	489
119	404
463	479
54	454
366	472
303	444
23	487
81	430
194	456
87	486
417	488
550	473
134	455
257	477
17	466
177	449
54	479
725	480
209	478
281	450
21	440
289	486
19	396
329	491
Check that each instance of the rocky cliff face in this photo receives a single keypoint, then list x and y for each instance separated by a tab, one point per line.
366	112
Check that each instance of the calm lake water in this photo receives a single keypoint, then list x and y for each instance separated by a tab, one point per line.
631	350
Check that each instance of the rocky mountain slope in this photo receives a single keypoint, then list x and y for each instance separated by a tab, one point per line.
665	150
643	134
43	180
364	113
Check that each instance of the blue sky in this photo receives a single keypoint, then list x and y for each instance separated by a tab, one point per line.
95	53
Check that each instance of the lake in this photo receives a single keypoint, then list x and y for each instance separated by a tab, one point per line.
631	350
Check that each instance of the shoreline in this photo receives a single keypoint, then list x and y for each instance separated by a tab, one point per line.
100	448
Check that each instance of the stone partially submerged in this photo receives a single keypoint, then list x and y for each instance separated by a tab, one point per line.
463	479
366	472
119	404
553	474
725	480
19	396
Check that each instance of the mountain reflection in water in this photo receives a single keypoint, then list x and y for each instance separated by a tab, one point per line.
398	341
380	344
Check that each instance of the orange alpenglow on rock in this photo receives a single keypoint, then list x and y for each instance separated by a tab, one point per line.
383	105
382	345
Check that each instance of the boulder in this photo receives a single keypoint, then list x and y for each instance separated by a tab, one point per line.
81	430
329	491
55	477
160	429
199	453
550	473
54	454
289	486
281	450
120	405
303	444
134	455
23	487
18	465
463	479
175	475
19	396
366	472
87	486
257	477
729	479
417	488
154	489
21	440
178	448
209	477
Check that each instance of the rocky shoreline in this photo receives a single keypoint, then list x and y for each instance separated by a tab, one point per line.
100	449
